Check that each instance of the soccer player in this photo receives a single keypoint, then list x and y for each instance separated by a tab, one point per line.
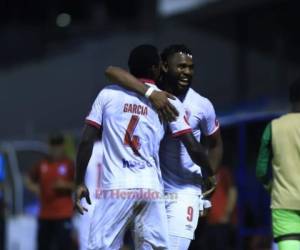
280	145
131	137
180	174
92	181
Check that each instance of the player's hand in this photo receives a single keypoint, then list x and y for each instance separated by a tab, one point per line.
209	186
166	111
205	206
81	191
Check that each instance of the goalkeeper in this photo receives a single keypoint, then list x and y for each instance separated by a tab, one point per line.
280	145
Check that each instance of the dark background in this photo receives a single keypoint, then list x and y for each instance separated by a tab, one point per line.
246	53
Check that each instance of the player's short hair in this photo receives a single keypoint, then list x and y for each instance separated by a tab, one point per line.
294	92
56	139
173	49
141	60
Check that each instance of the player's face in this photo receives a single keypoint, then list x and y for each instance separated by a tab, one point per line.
179	71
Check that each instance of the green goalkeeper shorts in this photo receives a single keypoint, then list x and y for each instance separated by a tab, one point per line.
285	223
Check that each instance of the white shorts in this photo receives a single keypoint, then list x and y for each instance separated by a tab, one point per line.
183	214
83	224
112	217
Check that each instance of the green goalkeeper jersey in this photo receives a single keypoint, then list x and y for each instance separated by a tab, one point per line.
280	145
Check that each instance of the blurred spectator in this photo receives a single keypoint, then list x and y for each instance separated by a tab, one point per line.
2	203
70	146
219	231
280	145
52	180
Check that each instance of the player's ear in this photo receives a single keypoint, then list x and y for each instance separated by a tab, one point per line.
164	67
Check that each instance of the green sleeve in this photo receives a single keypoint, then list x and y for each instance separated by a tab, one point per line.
264	155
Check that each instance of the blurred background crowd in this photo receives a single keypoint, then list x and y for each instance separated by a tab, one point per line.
52	60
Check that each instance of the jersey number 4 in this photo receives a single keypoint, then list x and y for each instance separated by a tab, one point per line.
131	140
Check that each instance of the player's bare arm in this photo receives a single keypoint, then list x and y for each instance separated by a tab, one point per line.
89	136
214	145
159	99
197	152
209	185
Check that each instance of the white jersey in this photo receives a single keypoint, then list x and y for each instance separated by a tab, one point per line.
131	138
180	174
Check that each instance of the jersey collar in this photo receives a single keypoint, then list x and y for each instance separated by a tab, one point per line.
182	97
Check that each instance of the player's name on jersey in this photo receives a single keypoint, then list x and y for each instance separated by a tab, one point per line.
135	164
135	109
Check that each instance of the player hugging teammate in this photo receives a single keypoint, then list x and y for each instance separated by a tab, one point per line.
162	157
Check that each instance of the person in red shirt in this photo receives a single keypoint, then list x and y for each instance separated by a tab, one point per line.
52	180
222	216
223	199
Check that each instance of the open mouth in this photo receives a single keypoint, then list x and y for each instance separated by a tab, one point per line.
184	82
